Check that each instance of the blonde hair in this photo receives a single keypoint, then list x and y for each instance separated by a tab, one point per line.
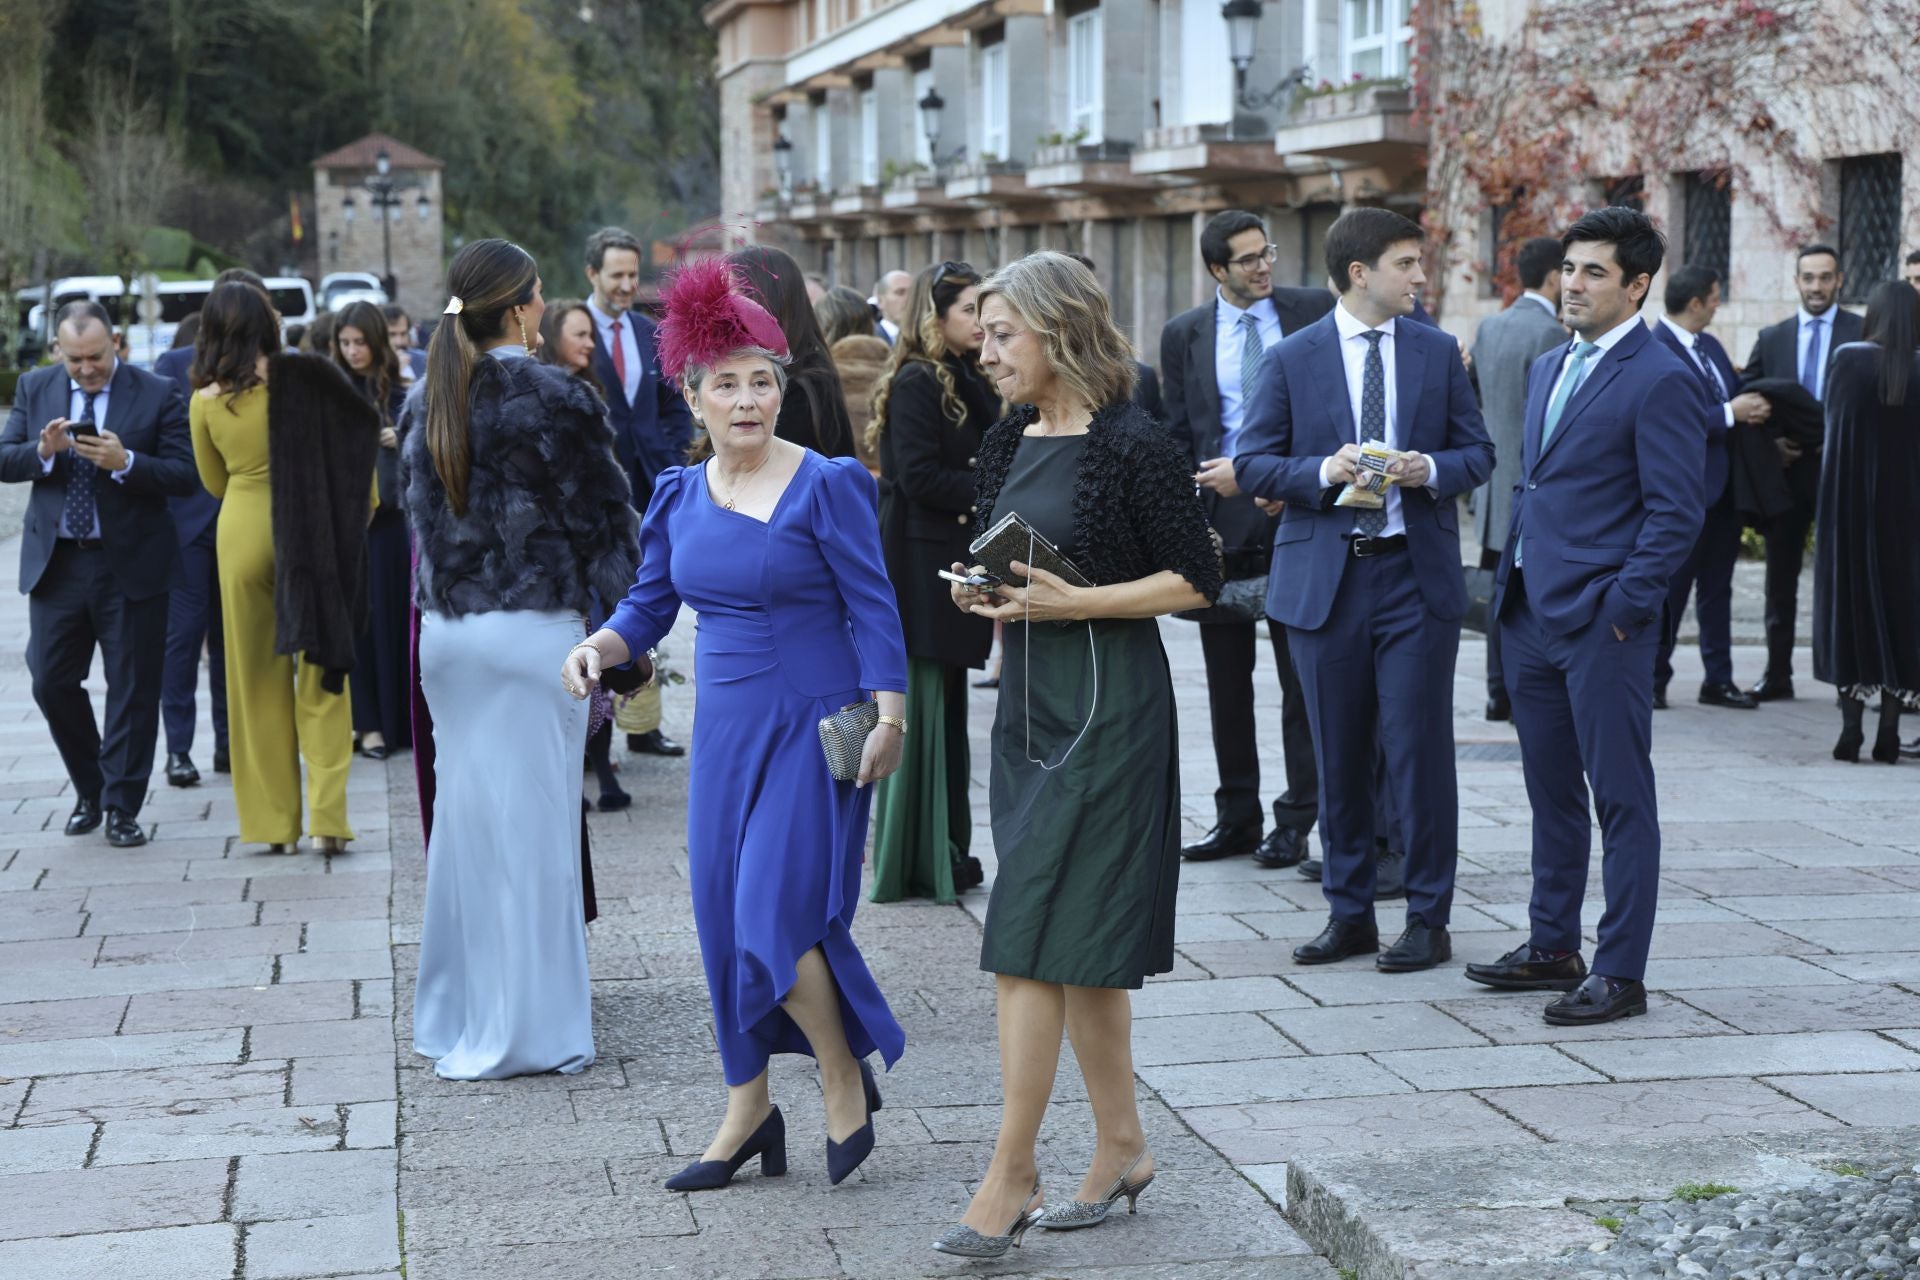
1059	300
923	340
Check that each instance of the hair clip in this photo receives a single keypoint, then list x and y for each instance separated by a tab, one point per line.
454	307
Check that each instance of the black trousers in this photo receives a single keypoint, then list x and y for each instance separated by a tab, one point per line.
1786	539
76	607
193	624
1229	650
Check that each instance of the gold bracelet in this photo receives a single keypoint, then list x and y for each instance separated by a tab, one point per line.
896	722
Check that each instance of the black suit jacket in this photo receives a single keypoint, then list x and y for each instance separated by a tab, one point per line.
1776	353
1190	390
194	512
149	415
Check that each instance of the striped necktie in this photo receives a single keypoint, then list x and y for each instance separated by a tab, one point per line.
1252	352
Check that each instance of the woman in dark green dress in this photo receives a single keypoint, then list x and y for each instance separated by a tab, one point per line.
1085	796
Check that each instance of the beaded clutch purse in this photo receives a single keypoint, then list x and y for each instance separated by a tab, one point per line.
1012	538
843	736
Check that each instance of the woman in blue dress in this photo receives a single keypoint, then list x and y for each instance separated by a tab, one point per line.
777	549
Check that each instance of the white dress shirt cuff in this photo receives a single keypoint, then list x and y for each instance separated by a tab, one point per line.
1433	476
46	464
1326	482
121	474
1727	408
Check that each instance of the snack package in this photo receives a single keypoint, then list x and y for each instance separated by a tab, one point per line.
1370	490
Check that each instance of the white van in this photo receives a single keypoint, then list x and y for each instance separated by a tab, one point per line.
292	298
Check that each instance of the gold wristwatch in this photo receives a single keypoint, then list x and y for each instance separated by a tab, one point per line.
896	722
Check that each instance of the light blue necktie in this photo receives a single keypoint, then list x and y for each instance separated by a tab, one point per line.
1810	363
1252	352
1569	386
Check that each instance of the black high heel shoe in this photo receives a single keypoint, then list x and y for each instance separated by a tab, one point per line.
769	1142
844	1157
1847	749
1886	744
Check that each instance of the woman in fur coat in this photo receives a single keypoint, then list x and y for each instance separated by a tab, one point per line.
520	513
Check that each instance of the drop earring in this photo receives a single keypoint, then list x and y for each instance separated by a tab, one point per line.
519	320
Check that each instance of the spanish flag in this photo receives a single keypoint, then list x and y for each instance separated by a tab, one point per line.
293	217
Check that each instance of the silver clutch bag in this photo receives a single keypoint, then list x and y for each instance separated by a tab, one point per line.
843	737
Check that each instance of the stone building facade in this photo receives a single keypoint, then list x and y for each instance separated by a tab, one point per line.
347	223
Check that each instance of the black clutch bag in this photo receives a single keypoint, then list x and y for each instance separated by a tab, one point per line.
1012	538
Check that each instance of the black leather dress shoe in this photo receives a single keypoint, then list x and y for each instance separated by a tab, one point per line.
1771	690
222	762
1340	939
1499	707
180	770
1389	875
84	818
1309	869
1598	999
654	743
1528	968
124	830
1727	695
1422	946
1659	697
1283	847
1224	841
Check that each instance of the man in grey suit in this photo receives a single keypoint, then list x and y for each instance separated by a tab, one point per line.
1503	350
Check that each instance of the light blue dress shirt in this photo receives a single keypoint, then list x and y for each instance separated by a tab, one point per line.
1227	346
76	407
629	346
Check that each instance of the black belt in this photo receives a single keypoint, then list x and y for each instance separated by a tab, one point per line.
1361	546
84	544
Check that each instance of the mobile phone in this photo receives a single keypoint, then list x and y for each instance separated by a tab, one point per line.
81	429
978	581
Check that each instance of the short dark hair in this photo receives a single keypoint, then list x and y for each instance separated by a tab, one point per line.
79	312
1814	250
240	275
1363	235
1689	282
186	331
1638	246
394	311
1913	257
1222	227
1538	258
610	238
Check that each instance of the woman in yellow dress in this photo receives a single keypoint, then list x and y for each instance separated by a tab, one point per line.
280	706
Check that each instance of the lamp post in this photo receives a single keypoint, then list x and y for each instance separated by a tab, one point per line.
932	108
1243	22
783	163
383	194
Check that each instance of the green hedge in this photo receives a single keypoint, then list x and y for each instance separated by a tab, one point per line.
8	379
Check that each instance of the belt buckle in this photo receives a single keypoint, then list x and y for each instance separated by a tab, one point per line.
1363	548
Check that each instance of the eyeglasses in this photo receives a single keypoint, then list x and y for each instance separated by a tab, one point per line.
1268	255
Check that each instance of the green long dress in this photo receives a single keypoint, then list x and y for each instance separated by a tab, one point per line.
1086	821
921	821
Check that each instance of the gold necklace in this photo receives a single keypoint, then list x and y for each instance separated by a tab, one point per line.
733	487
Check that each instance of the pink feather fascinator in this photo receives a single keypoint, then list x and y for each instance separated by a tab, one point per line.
707	316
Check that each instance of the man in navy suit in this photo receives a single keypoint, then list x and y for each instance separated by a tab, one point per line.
652	426
1693	296
104	445
1797	348
1610	505
1372	598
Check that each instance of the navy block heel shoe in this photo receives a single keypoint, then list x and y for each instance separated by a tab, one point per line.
844	1157
769	1142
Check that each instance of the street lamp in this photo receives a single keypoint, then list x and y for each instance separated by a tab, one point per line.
783	163
383	194
1243	21
932	108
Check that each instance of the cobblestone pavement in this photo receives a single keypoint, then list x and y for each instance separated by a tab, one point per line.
205	1072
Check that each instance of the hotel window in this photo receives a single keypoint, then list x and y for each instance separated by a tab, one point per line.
1085	90
869	138
1708	229
993	101
1375	35
822	145
1869	223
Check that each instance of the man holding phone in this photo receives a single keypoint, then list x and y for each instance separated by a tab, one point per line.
98	554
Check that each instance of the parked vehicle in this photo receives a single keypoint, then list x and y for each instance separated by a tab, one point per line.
338	288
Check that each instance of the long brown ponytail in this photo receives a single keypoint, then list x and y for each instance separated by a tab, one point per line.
490	277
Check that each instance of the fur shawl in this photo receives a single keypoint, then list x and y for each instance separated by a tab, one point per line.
549	523
322	436
1134	509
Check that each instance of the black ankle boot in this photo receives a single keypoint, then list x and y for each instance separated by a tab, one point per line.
1848	747
1886	744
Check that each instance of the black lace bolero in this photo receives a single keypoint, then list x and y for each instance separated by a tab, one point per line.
1134	508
